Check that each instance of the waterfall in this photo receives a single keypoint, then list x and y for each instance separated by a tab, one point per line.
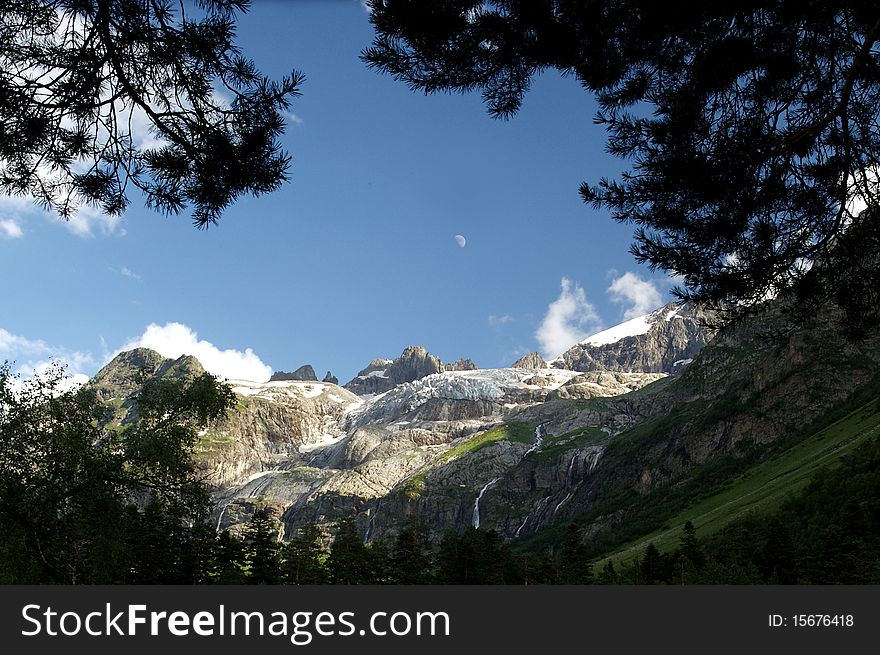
372	518
539	439
537	509
254	493
220	518
477	502
570	467
564	500
596	457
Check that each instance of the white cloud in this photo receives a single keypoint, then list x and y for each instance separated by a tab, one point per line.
12	345
676	279
84	223
641	295
44	367
293	118
862	190
127	272
569	319
175	339
498	321
36	357
14	208
88	220
366	7
140	127
10	228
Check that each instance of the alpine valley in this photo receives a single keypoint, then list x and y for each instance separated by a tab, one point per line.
629	434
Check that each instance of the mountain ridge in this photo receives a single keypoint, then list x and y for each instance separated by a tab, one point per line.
525	449
659	342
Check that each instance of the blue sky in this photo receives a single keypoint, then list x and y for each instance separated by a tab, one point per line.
356	257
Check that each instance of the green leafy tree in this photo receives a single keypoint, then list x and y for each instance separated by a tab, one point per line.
411	557
379	562
751	128
475	556
60	484
778	564
609	574
74	487
574	562
156	541
97	96
262	550
304	557
689	548
651	566
158	446
198	559
230	560
536	569
348	561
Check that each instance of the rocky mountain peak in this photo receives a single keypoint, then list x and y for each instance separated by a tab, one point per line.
659	342
461	365
329	377
123	375
414	363
532	360
304	373
134	359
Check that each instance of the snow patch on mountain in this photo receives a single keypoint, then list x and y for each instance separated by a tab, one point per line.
382	373
630	328
477	385
286	388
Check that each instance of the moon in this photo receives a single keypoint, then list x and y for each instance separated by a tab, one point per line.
460	240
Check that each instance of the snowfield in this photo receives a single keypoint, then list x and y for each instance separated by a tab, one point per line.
286	388
482	384
631	328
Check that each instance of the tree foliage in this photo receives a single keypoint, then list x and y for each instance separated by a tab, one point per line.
304	557
751	128
412	559
263	549
575	566
97	96
348	562
81	498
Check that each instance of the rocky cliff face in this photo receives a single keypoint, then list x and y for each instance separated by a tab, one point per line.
377	448
276	426
532	360
754	386
304	373
602	384
413	364
661	342
312	451
461	365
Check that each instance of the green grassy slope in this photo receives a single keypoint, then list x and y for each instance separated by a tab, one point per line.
764	487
